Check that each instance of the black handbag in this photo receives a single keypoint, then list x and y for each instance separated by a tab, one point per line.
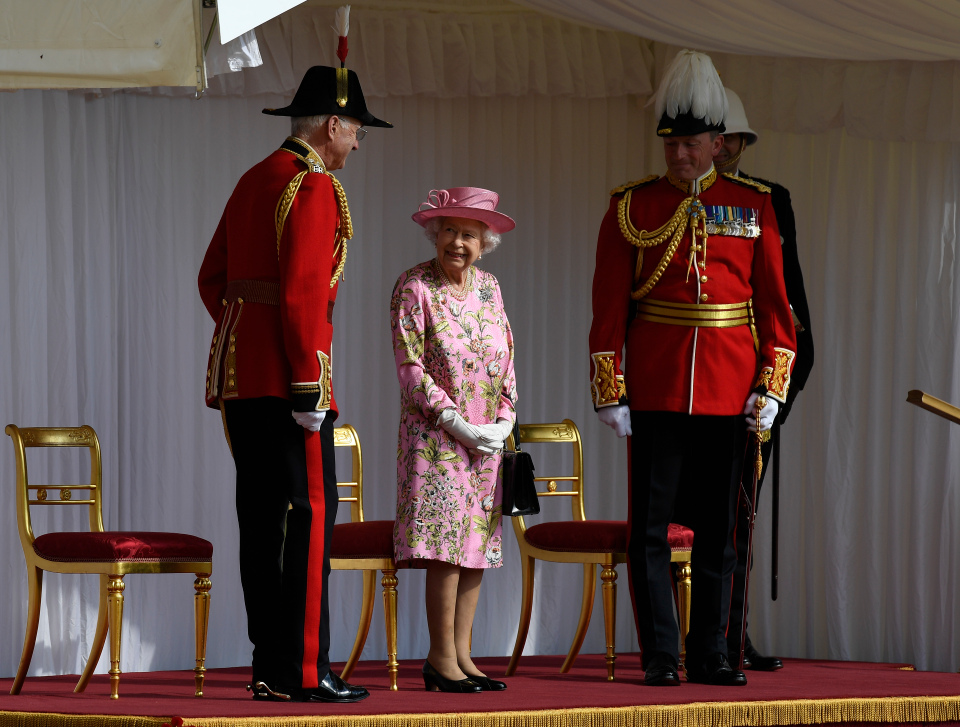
519	487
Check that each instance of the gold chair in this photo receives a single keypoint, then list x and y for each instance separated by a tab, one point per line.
112	555
590	542
365	545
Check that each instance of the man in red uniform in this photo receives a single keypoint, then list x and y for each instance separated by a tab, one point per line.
270	279
736	138
689	279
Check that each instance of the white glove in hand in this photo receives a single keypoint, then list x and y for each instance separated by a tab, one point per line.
497	431
617	418
310	420
767	414
469	435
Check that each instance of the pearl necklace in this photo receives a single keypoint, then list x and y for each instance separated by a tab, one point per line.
460	295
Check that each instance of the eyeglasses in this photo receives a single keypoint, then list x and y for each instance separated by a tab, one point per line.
358	131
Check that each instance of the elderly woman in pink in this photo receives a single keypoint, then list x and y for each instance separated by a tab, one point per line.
454	355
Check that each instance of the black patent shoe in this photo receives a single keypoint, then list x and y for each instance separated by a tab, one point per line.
434	681
661	671
716	670
262	691
753	659
486	683
332	689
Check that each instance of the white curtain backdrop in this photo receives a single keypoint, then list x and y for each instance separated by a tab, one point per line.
107	205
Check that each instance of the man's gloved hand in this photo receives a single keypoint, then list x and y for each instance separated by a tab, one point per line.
618	418
310	420
767	414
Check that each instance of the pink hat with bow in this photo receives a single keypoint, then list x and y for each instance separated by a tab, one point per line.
472	203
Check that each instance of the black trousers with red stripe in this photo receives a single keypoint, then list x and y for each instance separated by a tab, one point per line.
683	468
286	508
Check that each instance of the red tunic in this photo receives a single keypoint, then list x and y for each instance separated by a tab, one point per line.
681	368
276	342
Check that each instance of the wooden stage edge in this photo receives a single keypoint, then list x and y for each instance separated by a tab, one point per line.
805	692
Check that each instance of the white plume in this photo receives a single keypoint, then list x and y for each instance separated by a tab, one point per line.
691	83
341	21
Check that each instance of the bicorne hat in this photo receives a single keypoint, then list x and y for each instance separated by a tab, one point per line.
326	90
473	203
691	99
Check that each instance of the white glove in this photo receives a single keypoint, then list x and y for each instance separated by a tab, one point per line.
310	420
618	418
469	435
767	414
498	431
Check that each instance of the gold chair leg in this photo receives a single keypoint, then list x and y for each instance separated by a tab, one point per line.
389	583
99	638
609	590
526	609
35	585
683	604
586	611
115	618
363	628
201	608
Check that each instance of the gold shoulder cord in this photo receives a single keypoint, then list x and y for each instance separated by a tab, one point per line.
675	228
344	229
285	203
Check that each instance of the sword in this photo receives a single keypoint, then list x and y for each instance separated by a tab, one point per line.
775	522
752	515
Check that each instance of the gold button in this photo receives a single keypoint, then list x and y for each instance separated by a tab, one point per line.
703	297
212	350
224	301
214	339
240	301
233	349
233	339
231	371
703	278
231	382
208	372
702	264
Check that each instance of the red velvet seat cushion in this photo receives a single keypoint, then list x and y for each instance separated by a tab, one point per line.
579	536
679	537
370	539
115	547
596	536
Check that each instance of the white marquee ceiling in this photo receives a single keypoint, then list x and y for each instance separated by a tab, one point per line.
865	30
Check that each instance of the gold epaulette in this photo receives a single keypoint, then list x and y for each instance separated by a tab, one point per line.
763	188
634	185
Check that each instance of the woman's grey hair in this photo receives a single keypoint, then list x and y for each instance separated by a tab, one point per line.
488	243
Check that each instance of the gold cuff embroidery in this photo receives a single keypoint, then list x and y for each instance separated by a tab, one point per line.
607	388
323	386
325	382
777	379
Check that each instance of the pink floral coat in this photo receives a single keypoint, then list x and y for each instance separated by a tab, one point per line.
449	353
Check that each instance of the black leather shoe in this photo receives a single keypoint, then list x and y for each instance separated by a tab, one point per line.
661	671
716	670
753	659
333	689
486	683
434	681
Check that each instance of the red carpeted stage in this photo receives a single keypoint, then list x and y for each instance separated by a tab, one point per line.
804	692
